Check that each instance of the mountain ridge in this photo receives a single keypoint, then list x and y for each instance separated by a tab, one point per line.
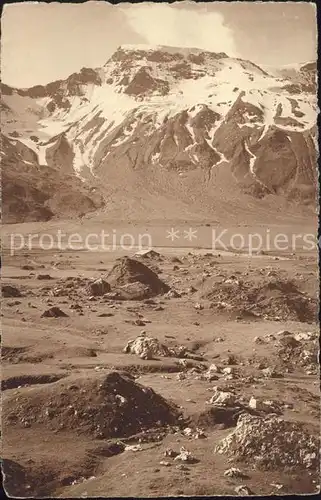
176	110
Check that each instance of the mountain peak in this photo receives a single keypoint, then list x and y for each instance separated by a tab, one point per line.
184	51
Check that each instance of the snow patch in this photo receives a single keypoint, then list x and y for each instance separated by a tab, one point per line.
155	157
252	158
42	159
191	132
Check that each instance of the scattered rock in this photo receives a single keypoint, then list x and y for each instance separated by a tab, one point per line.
228	370
211	373
139	322
282	333
149	347
272	442
235	473
10	291
243	490
133	291
150	302
230	359
221	398
195	434
146	347
133	447
185	456
44	277
149	254
54	312
14	303
277	486
76	307
128	270
172	294
274	298
265	406
259	340
270	372
306	336
98	288
170	453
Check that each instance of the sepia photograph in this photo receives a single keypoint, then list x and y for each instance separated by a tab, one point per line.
159	241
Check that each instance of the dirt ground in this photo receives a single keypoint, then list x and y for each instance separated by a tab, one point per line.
65	433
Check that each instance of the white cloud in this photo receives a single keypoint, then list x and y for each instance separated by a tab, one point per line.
179	26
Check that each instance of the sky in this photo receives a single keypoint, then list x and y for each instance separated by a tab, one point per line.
43	42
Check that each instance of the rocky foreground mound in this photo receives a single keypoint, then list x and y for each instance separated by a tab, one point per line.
272	442
104	406
133	279
272	298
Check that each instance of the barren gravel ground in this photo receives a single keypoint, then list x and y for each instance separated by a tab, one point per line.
46	359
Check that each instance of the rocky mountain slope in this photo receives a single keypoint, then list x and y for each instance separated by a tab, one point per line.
188	127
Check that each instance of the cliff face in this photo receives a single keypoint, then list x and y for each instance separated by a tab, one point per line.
33	192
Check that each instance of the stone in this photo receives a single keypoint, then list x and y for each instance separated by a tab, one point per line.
222	398
139	322
98	288
282	333
270	372
235	473
172	294
170	453
143	344
133	447
214	368
243	490
258	340
229	370
146	346
146	353
185	455
10	291
308	336
267	406
54	312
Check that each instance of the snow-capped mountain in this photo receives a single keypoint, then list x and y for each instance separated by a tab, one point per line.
169	122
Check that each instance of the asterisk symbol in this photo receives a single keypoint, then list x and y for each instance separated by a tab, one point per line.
190	234
172	234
